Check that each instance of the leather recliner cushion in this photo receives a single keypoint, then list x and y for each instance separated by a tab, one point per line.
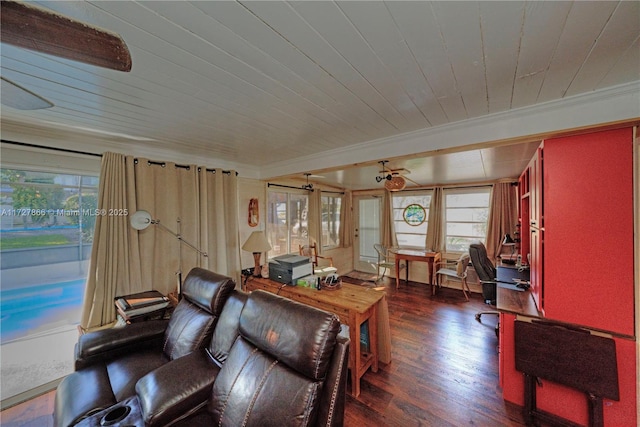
227	328
275	370
125	371
197	289
189	328
80	399
289	331
193	320
255	389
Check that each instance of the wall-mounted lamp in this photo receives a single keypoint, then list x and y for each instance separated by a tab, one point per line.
256	243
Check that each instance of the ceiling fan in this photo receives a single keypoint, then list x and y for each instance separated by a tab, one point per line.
308	186
394	179
30	27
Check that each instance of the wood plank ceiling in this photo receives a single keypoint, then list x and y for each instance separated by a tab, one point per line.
261	82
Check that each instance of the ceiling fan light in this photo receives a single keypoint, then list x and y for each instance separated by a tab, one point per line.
396	183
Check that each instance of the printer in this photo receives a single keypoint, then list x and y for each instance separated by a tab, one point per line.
288	268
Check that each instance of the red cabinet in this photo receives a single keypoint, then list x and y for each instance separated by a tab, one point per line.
532	222
588	225
536	212
579	194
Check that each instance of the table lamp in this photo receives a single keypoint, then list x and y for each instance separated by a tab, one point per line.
508	241
256	243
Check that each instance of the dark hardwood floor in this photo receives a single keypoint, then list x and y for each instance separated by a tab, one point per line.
444	369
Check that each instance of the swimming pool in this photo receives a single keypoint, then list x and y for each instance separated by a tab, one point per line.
38	308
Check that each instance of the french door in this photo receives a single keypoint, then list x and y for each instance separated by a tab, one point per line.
367	214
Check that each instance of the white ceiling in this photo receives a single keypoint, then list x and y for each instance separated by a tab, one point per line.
281	88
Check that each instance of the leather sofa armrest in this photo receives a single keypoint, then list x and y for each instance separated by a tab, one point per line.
334	393
106	344
177	388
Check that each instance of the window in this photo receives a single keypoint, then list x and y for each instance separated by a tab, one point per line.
287	221
466	216
47	222
331	220
410	218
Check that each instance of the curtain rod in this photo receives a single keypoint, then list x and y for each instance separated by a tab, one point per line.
64	150
455	187
187	167
288	186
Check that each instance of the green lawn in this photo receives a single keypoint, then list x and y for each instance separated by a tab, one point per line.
33	241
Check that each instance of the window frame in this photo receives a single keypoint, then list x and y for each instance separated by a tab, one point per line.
274	235
447	220
336	216
399	221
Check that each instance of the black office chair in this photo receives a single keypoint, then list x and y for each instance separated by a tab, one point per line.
487	274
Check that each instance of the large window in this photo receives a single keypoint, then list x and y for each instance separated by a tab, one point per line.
410	218
287	221
331	220
47	222
466	215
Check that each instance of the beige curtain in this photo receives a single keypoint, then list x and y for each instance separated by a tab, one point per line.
314	218
346	220
219	221
435	228
170	194
388	235
198	205
115	268
503	216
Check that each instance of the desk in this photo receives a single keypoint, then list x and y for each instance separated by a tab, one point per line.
353	304
415	255
516	302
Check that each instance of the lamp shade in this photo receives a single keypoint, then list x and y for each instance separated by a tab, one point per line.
141	220
257	242
396	183
508	241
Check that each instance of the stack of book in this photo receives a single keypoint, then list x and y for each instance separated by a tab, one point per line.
141	306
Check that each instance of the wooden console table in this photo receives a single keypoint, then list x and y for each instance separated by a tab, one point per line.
353	304
415	255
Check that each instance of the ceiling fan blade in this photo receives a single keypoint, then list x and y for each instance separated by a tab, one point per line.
410	180
15	96
44	31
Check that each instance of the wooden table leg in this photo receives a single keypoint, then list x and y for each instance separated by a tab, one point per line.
432	273
397	272
406	274
373	337
354	356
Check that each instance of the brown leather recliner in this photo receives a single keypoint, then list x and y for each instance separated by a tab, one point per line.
110	362
287	366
